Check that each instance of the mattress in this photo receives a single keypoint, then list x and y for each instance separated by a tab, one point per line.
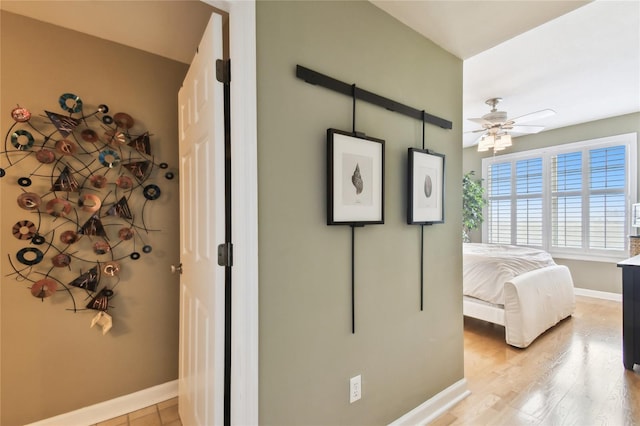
487	267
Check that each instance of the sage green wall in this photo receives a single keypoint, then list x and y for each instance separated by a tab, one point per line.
52	361
307	351
601	276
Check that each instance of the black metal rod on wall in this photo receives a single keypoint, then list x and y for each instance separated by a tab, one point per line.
313	77
353	279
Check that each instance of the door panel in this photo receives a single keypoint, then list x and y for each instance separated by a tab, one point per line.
201	147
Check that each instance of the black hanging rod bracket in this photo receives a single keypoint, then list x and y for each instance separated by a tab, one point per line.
315	78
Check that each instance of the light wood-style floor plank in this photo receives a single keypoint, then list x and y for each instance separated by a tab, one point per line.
571	375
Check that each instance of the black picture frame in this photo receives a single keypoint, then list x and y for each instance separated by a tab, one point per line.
426	187
355	179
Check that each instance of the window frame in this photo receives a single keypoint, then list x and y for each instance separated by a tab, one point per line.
629	140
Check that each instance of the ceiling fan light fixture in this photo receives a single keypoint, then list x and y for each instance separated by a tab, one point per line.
486	142
503	141
495	142
483	148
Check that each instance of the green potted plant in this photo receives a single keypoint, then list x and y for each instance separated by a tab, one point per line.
473	202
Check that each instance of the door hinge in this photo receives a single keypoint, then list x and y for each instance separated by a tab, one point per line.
225	254
223	71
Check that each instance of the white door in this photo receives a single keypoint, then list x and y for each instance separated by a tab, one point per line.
201	140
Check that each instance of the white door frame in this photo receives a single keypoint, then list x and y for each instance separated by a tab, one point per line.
242	53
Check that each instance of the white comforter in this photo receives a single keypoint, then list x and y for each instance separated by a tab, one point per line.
486	267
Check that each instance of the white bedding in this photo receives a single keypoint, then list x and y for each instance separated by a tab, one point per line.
487	267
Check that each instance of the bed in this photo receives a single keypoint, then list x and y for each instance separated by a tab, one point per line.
521	288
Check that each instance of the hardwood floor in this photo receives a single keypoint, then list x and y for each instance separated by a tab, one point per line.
571	375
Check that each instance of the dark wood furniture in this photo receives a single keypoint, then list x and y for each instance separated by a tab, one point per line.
630	311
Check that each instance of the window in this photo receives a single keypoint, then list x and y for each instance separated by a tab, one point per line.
572	200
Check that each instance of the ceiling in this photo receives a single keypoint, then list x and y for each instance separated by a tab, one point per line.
579	58
168	28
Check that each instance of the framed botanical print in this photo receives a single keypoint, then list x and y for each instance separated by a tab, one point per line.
426	187
355	179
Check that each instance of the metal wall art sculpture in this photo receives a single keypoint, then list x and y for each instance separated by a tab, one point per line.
86	182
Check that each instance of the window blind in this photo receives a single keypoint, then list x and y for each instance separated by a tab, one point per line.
573	200
607	209
529	202
499	203
566	200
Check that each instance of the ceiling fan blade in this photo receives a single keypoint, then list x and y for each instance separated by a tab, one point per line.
524	129
480	121
476	131
476	140
533	116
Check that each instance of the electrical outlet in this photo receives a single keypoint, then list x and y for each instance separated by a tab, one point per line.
355	389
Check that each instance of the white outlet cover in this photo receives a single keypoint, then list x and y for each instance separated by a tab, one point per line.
355	388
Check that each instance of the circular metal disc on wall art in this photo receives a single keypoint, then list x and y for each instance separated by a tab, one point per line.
58	207
35	255
44	288
125	234
70	102
61	260
24	181
69	237
45	156
29	201
109	158
89	203
101	247
124	182
38	239
123	120
151	192
66	147
22	140
20	114
111	269
98	181
24	230
89	135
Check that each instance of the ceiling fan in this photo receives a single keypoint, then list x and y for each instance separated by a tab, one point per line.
496	127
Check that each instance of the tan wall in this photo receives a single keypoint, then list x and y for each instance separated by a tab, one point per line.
52	361
601	276
307	351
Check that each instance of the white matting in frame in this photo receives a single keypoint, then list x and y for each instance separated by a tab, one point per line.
426	187
355	179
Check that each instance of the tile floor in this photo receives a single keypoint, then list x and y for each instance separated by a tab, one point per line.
162	414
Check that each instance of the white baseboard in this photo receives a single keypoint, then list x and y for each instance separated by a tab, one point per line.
113	408
435	406
616	297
